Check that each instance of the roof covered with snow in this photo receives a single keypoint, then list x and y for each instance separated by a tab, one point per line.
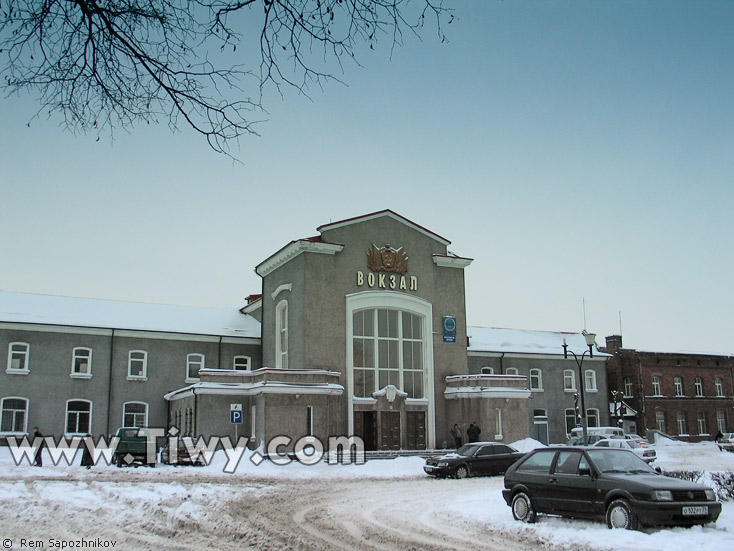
112	314
524	341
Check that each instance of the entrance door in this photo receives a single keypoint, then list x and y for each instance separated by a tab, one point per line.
389	430
541	430
415	429
365	426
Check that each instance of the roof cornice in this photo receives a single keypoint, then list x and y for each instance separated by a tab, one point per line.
446	261
379	214
292	250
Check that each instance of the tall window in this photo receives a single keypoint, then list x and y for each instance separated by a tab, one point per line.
719	384
569	380
135	414
14	413
660	420
570	420
536	379
681	418
592	417
678	383
194	364
629	387
387	350
242	363
137	364
702	423
81	363
699	386
281	335
78	417
721	421
656	391
590	379
18	357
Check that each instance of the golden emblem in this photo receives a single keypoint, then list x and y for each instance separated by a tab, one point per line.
387	259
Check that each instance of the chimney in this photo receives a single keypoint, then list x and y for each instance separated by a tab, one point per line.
614	344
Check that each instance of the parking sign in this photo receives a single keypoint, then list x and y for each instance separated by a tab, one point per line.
235	414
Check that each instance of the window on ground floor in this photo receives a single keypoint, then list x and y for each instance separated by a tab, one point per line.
681	419
702	423
660	420
14	414
592	417
721	421
135	414
78	417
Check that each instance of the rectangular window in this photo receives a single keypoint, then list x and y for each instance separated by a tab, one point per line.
569	380
309	420
592	417
18	357
702	423
660	420
629	387
194	364
721	421
681	418
678	382
656	386
719	384
590	380
498	424
242	363
14	414
536	379
699	386
78	417
135	414
81	363
571	421
137	365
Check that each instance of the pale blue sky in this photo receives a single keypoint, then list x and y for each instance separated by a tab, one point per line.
575	150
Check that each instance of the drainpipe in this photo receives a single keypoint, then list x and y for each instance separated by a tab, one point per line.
195	420
109	381
642	393
502	367
219	353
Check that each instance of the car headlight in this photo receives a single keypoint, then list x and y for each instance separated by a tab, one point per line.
710	495
443	463
662	495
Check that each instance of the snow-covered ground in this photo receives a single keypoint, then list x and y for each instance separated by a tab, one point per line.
383	504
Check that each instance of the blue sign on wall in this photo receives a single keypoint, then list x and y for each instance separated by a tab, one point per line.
235	414
449	329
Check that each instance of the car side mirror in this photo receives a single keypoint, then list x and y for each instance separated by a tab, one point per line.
584	471
658	470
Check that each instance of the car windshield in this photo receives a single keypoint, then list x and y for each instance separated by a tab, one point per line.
633	444
618	461
467	449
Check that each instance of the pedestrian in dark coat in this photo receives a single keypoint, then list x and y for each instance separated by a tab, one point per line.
38	462
87	460
473	432
457	436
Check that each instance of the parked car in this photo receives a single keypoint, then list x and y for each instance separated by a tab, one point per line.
477	458
637	438
647	454
182	457
604	432
604	483
726	442
132	447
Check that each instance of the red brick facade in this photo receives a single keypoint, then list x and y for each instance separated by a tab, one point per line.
688	396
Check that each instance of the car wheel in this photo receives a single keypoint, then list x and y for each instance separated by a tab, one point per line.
621	515
522	508
462	471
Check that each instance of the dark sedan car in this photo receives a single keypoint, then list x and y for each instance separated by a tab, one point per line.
477	458
604	483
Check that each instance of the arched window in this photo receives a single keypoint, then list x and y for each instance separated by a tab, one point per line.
135	414
78	417
13	415
592	417
281	335
487	371
699	387
242	363
678	383
511	371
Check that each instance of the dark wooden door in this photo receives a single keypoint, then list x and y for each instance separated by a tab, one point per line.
389	430
365	426
415	428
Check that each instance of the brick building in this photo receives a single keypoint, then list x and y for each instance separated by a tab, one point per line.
683	394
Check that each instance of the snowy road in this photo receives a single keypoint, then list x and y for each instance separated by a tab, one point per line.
184	513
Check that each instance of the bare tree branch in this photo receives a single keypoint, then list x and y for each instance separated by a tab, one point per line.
112	64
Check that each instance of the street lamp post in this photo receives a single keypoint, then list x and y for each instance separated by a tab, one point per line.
590	341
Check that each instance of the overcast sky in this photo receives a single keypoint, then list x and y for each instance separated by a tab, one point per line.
578	151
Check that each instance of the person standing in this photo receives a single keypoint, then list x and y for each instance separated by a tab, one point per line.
473	432
457	435
87	460
38	462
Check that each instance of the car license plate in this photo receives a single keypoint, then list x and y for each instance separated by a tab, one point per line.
695	510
